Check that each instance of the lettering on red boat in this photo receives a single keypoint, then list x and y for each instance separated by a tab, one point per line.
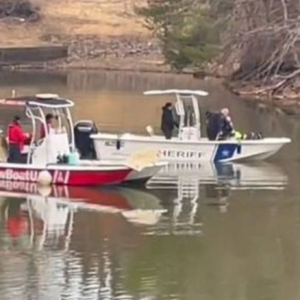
19	175
28	187
61	177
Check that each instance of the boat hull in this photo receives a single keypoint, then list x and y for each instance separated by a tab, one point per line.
97	175
109	146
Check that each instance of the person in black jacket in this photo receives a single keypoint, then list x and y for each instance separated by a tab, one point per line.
227	129
167	121
219	125
213	124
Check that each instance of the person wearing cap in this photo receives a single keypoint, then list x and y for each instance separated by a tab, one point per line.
16	141
49	126
167	120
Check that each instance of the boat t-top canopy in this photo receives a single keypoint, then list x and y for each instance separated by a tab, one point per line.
177	92
61	137
40	100
187	109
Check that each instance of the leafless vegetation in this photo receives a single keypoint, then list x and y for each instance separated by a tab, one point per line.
265	35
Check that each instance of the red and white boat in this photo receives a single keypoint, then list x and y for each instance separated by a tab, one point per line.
42	164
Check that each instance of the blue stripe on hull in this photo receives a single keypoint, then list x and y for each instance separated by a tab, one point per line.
226	151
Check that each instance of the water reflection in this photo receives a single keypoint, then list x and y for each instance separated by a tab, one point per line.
80	243
197	232
188	187
53	204
37	221
192	180
261	175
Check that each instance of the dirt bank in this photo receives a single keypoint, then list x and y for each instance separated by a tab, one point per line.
100	34
280	91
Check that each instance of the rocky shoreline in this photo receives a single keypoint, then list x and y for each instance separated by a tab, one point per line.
110	54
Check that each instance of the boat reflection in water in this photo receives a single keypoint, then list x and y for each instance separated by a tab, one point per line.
54	207
49	235
76	243
171	205
193	182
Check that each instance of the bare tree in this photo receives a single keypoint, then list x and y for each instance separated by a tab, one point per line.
265	35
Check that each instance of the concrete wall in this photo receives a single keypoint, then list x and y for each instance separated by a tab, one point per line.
32	54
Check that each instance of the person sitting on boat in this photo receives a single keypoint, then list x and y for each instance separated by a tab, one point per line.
167	121
17	138
49	126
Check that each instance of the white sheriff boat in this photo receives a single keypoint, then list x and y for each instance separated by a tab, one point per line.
189	145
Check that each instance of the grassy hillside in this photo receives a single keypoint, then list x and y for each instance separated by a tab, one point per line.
70	18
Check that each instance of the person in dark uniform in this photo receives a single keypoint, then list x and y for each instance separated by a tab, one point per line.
227	129
219	125
167	121
16	141
213	124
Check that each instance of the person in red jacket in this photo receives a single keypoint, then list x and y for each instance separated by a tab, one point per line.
16	140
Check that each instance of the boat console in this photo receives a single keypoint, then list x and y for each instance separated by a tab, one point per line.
188	111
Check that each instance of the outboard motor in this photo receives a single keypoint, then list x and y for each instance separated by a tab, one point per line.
83	142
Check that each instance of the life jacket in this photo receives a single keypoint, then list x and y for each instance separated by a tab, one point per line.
239	136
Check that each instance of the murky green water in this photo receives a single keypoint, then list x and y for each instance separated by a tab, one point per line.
196	232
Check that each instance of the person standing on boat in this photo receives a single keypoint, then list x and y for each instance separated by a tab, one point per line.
213	124
16	141
49	126
167	121
227	129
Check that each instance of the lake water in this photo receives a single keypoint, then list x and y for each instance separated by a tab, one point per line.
196	231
